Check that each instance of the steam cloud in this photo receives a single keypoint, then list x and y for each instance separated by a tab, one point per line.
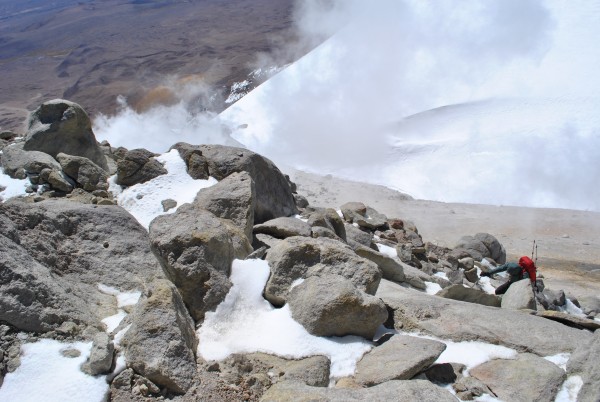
491	102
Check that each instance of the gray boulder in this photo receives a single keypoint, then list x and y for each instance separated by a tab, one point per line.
417	311
415	277
364	216
62	126
161	343
101	357
570	320
329	219
318	231
138	166
480	246
57	180
416	390
196	249
282	228
354	234
519	296
232	198
459	292
274	196
86	173
301	257
469	388
584	362
330	305
506	378
400	358
390	268
196	163
18	163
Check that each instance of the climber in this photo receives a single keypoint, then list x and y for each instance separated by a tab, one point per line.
524	269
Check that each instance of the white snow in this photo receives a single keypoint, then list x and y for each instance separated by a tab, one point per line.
46	375
13	187
124	299
387	250
143	200
113	321
571	308
432	288
560	360
570	389
473	353
245	322
441	275
301	218
484	281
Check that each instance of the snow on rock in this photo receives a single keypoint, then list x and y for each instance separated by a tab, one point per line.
432	288
245	322
46	375
387	250
143	200
570	389
560	360
472	353
124	299
12	187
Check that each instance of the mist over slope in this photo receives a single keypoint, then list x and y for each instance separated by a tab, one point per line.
479	102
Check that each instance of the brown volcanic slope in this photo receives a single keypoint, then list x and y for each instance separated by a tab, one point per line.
92	51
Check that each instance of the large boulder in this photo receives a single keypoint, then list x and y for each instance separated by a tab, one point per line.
400	358
62	126
273	192
584	363
232	198
526	378
328	218
330	305
161	342
85	172
19	164
354	234
196	249
415	390
196	163
283	227
460	292
480	246
461	321
519	296
138	166
300	257
55	254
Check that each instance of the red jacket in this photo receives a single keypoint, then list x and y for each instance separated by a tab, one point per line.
528	267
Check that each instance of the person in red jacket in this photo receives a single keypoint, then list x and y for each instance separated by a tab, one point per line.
524	269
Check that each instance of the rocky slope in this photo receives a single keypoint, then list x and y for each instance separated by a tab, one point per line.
73	264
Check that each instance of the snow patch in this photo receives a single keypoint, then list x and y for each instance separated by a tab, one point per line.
570	389
560	360
387	250
572	309
46	375
432	288
245	322
12	187
441	275
473	353
143	200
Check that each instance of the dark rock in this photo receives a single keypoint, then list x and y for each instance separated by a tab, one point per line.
18	163
86	173
196	249
505	378
138	166
319	231
329	219
282	228
444	373
161	343
365	217
468	388
330	305
355	234
301	201
274	197
168	204
416	390
232	198
302	257
400	358
62	126
195	162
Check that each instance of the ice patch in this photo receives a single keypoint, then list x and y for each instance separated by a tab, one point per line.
245	322
432	288
570	389
143	200
560	360
13	187
387	250
46	375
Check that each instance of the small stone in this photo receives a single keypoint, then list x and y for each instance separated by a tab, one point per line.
139	196
168	204
70	353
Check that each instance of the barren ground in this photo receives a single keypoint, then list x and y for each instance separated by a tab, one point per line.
568	241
